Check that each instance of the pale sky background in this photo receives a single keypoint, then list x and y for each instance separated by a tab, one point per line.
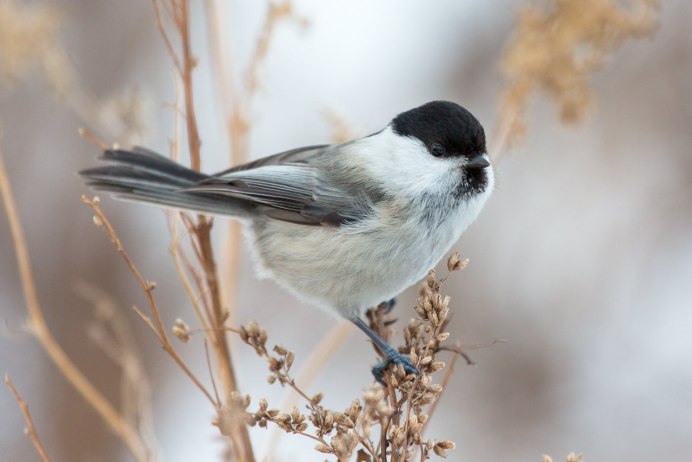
582	259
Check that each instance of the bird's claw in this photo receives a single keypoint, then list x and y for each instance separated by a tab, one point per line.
395	358
387	306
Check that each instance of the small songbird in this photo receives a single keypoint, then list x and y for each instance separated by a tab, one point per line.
343	226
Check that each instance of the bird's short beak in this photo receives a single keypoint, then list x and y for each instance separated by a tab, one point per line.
479	160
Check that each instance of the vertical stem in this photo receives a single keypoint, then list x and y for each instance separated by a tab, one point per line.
115	421
219	341
227	379
188	67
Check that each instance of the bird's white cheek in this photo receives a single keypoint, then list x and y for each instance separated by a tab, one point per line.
410	167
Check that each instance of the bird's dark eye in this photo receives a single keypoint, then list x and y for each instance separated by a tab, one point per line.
437	150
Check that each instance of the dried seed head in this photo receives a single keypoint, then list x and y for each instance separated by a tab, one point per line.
440	452
431	281
324	449
453	261
436	366
442	336
442	447
446	444
278	349
181	330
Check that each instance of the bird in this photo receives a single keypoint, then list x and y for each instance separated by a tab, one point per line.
342	226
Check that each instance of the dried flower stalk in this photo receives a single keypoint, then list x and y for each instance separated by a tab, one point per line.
556	48
30	428
179	15
116	421
236	104
112	333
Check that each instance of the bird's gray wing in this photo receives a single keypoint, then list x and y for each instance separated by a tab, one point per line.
291	187
297	156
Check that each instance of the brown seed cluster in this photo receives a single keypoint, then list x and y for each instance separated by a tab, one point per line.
255	337
386	423
181	330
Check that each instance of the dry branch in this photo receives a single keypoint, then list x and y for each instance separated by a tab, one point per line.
117	423
30	428
147	287
179	14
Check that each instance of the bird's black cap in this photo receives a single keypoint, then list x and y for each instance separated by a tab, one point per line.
444	124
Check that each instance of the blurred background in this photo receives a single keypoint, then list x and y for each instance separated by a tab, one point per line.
581	261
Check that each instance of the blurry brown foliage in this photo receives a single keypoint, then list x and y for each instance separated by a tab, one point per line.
557	46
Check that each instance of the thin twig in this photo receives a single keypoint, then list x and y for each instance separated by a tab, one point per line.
211	373
148	288
87	135
117	423
179	259
179	11
236	108
189	64
325	349
445	381
114	335
164	35
30	428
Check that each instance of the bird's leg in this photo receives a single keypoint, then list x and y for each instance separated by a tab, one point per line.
391	355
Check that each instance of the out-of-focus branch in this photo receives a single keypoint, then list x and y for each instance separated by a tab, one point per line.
330	343
555	49
113	334
31	429
117	423
182	21
148	288
236	103
179	14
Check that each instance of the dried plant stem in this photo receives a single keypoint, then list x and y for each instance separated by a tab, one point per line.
183	25
183	266
31	429
218	334
148	288
330	343
236	109
117	422
179	12
445	380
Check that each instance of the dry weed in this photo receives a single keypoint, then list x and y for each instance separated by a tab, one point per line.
556	47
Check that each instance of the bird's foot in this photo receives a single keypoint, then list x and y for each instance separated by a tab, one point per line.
392	357
388	306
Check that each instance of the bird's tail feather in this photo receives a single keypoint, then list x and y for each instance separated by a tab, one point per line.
145	176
